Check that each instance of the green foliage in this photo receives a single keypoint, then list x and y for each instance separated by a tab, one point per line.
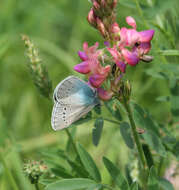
153	182
97	130
58	29
116	174
71	184
88	163
126	134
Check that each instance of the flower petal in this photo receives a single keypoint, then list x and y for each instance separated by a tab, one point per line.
130	57
104	95
115	54
82	55
121	65
146	35
82	67
128	37
96	80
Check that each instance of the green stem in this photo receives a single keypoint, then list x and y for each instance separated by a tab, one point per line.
9	174
37	186
72	141
135	134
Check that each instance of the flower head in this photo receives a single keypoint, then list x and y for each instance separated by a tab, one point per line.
129	47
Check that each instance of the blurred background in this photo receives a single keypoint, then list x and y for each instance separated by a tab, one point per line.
58	28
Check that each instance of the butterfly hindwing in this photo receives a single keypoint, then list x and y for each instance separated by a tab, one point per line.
64	115
73	98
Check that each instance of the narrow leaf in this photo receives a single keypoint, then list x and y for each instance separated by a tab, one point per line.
154	142
170	52
71	184
126	134
61	173
113	108
88	163
153	181
97	130
79	170
116	174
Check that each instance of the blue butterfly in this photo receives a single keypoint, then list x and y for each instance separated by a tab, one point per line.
73	98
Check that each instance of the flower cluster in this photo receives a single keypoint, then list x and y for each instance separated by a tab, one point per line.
123	46
35	169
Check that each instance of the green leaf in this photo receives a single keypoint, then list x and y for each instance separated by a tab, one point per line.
151	135
176	150
71	184
116	174
144	120
165	184
154	142
95	187
88	163
134	186
153	181
61	172
97	130
170	52
97	109
113	108
79	170
163	98
126	134
148	155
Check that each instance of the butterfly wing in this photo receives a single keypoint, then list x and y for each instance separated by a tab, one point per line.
73	98
64	115
74	90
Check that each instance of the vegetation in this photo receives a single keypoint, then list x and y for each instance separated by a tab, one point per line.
97	152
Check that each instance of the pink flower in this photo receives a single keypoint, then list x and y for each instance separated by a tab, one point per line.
91	17
130	57
121	65
96	80
130	21
117	58
91	65
104	94
83	67
115	53
146	35
128	37
115	28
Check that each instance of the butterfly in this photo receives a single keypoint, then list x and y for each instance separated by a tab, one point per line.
73	98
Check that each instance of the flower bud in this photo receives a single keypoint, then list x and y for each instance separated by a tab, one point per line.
101	27
34	169
92	18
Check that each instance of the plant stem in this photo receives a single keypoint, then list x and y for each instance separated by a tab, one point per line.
8	173
37	186
72	141
135	134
